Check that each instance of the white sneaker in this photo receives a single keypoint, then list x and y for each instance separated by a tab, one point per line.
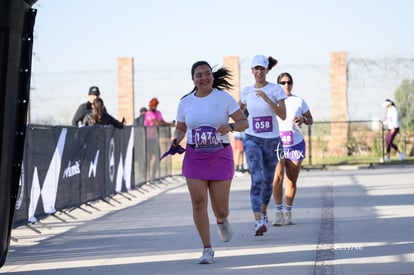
288	218
279	219
260	228
401	156
265	219
225	231
387	159
207	257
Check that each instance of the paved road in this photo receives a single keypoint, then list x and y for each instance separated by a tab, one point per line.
352	221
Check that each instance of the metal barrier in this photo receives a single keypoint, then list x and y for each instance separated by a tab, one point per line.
344	142
149	144
66	167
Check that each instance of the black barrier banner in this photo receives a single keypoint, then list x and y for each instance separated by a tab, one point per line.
66	167
43	176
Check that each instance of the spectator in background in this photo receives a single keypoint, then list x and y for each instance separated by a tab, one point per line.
153	119
98	116
238	148
139	121
86	107
294	150
393	128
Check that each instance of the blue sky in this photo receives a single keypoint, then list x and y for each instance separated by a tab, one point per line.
77	44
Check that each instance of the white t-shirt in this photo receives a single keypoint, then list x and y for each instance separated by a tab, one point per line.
212	111
290	133
391	119
262	119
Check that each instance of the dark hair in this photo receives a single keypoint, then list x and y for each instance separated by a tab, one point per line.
279	78
221	77
390	101
272	63
97	112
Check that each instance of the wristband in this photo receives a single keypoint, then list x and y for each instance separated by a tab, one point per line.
305	119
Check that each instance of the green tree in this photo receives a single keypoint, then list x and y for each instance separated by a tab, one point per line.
404	99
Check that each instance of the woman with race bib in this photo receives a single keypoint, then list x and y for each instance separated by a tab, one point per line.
208	165
297	113
264	102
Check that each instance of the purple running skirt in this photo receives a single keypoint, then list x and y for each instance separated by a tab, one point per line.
208	165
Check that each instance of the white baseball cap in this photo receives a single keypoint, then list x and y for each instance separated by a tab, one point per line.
260	60
387	102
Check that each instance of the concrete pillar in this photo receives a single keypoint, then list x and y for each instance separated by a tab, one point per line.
339	103
233	64
126	89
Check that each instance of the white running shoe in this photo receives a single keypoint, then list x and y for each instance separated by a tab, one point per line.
401	156
225	231
265	219
279	219
260	228
207	257
288	218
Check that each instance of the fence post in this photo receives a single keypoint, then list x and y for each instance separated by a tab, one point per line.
310	144
383	149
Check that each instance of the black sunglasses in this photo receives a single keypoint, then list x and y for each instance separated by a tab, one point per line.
290	82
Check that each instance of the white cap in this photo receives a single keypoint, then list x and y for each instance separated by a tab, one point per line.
260	60
386	103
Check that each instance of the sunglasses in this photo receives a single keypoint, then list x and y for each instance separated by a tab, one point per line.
290	82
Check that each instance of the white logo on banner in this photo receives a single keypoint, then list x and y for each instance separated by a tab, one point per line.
128	161
111	157
71	170
125	168
93	165
50	185
118	184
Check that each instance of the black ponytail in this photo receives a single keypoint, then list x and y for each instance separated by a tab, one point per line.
221	79
272	63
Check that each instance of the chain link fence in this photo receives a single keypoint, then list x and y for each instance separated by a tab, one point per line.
349	142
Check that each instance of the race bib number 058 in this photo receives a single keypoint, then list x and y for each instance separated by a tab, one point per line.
262	124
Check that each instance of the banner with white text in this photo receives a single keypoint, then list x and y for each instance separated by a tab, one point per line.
66	167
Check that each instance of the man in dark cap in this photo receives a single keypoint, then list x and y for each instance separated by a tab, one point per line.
139	121
84	108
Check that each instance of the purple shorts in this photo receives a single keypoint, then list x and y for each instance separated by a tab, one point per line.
295	152
208	165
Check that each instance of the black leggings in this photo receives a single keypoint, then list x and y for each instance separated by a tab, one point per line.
389	139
